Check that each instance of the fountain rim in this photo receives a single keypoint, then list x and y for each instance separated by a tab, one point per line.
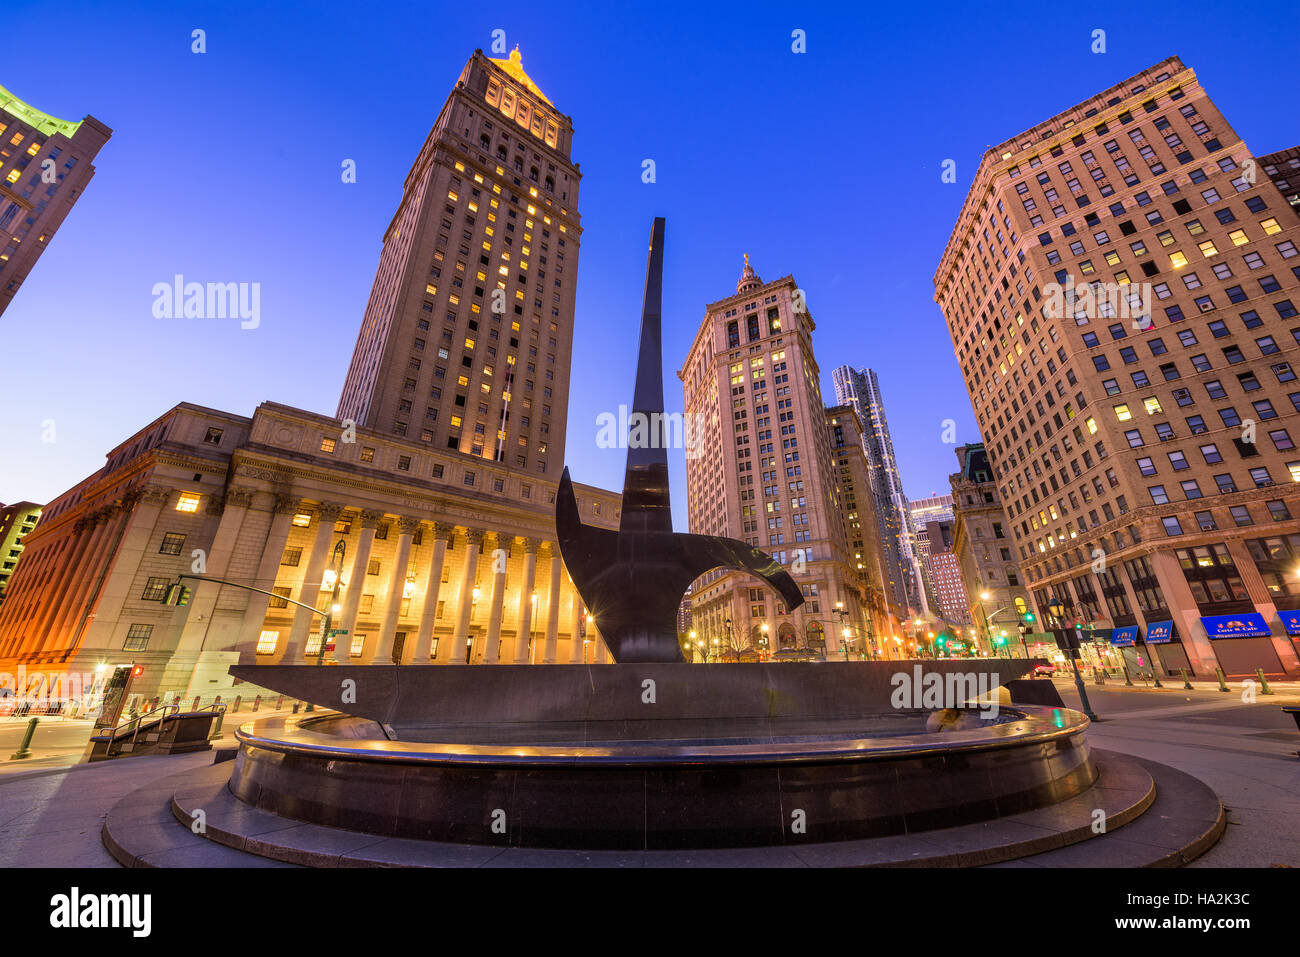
293	735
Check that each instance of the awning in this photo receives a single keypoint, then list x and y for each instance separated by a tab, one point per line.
1290	621
1159	632
1124	636
1246	625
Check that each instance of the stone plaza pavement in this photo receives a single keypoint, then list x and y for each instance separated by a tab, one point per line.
51	816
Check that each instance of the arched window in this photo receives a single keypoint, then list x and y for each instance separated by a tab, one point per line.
484	142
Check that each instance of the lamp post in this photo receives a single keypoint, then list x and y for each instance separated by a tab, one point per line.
336	560
1057	611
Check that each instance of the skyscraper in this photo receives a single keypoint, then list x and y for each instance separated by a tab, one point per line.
45	164
861	389
1121	289
765	474
468	334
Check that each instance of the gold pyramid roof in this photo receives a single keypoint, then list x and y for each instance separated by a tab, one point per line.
514	66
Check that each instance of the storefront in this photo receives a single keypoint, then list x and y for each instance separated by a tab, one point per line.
1165	648
1290	619
1242	643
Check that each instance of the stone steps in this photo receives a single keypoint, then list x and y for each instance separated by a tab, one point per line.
1156	816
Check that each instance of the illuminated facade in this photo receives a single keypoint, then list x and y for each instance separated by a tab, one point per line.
765	475
45	166
448	550
1121	288
467	338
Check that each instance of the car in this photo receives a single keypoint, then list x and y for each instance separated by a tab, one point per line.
1043	671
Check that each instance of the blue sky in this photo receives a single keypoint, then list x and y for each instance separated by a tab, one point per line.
225	167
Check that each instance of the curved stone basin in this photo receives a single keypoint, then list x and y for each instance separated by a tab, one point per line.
713	791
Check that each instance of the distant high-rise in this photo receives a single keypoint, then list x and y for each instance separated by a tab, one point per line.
861	389
1122	289
766	473
45	164
468	334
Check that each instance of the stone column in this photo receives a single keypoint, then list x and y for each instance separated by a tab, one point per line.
1259	594
523	633
354	586
553	607
137	526
432	587
492	653
268	567
382	649
308	591
1186	614
60	610
70	623
575	626
233	510
459	639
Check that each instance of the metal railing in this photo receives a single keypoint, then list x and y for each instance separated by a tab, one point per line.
137	721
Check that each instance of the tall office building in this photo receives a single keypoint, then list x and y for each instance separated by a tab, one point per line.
860	388
468	335
442	554
45	164
981	542
933	520
1147	463
16	522
765	474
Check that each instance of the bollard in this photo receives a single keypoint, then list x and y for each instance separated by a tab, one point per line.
1263	684
1223	685
257	702
238	699
279	705
25	749
295	707
196	703
1187	685
1098	676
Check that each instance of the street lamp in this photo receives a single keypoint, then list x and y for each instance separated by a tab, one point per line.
1057	611
334	577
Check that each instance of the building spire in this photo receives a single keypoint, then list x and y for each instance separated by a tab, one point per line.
748	278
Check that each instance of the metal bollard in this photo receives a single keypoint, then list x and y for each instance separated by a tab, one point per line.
1187	685
279	705
1223	685
257	702
295	707
25	749
196	703
1264	688
238	699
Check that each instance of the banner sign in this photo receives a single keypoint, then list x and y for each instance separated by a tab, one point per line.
1159	632
1124	636
1290	621
1246	625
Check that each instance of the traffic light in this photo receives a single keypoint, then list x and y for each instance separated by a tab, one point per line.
176	594
137	671
1028	617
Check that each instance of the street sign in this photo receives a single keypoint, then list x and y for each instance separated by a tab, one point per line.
330	646
335	632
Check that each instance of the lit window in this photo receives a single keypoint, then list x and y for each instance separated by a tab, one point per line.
1092	425
1238	237
188	502
1270	227
1177	260
267	641
302	519
1152	405
1121	412
327	445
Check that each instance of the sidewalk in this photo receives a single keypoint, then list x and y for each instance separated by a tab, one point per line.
60	743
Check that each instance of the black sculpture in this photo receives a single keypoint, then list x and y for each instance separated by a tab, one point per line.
632	580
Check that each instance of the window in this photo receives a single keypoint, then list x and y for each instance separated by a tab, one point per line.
213	437
292	556
327	445
1211	453
1158	495
171	544
267	641
137	637
1241	515
155	589
1172	526
188	502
